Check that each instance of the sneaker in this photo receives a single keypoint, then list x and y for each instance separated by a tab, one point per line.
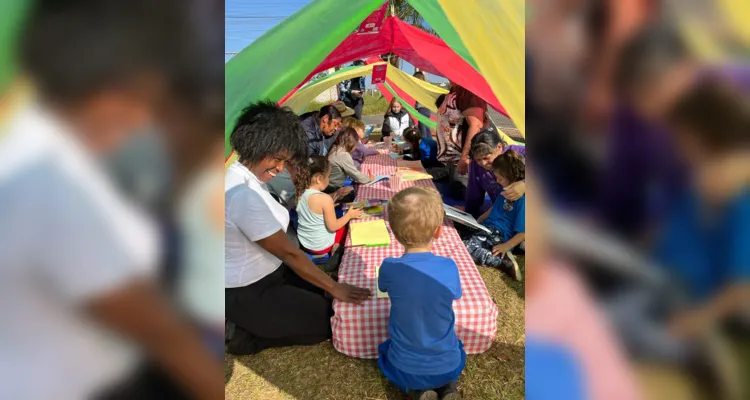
242	342
449	392
423	395
510	266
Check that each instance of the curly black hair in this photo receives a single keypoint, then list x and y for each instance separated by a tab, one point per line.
307	170
75	49
510	165
266	130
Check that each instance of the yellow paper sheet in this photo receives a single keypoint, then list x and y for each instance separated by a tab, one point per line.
381	295
370	233
410	176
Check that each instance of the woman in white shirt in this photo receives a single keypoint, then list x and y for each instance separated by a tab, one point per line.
274	294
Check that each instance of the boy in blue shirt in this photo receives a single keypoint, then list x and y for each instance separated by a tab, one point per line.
423	356
506	219
704	240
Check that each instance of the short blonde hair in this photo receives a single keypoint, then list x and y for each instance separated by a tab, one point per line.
415	214
351	122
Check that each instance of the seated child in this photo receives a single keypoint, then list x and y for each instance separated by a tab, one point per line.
423	356
422	148
506	219
342	164
361	151
703	241
319	231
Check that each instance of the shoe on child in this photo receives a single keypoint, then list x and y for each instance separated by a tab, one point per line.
449	392
510	266
423	395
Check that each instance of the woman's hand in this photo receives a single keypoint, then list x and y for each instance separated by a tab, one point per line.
501	249
463	165
350	294
354	213
514	191
482	218
342	192
690	324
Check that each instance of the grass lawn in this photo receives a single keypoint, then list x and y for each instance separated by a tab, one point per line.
320	372
374	105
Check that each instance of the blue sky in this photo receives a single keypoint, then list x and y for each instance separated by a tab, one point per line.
247	20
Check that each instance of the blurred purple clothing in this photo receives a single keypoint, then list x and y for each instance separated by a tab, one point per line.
360	152
482	182
643	172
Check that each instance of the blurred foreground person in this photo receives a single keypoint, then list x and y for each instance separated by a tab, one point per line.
704	240
78	259
571	352
705	237
644	172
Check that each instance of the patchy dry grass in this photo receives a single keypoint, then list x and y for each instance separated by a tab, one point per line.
320	372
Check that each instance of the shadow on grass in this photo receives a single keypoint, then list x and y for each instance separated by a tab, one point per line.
320	372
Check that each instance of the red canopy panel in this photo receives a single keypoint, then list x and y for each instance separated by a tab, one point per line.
426	52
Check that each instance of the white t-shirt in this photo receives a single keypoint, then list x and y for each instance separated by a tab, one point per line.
251	214
66	237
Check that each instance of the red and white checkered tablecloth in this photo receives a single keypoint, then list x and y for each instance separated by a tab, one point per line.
359	329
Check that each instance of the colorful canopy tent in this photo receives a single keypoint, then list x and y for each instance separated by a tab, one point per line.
12	16
424	51
421	91
315	39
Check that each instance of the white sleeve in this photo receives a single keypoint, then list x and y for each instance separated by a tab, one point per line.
91	241
250	213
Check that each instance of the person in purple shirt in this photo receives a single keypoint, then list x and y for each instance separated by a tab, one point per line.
485	147
361	151
643	171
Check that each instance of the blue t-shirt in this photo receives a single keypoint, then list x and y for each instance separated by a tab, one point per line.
428	149
707	252
509	217
552	373
422	287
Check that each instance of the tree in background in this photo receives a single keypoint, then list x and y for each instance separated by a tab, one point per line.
405	12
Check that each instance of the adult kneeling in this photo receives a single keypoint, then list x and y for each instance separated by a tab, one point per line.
274	294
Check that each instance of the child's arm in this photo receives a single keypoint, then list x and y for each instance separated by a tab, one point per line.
351	170
367	151
484	216
329	215
728	302
503	248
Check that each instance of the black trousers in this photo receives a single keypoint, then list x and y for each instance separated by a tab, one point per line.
279	310
356	103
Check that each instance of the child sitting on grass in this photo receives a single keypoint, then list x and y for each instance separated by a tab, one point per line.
423	356
506	219
319	231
